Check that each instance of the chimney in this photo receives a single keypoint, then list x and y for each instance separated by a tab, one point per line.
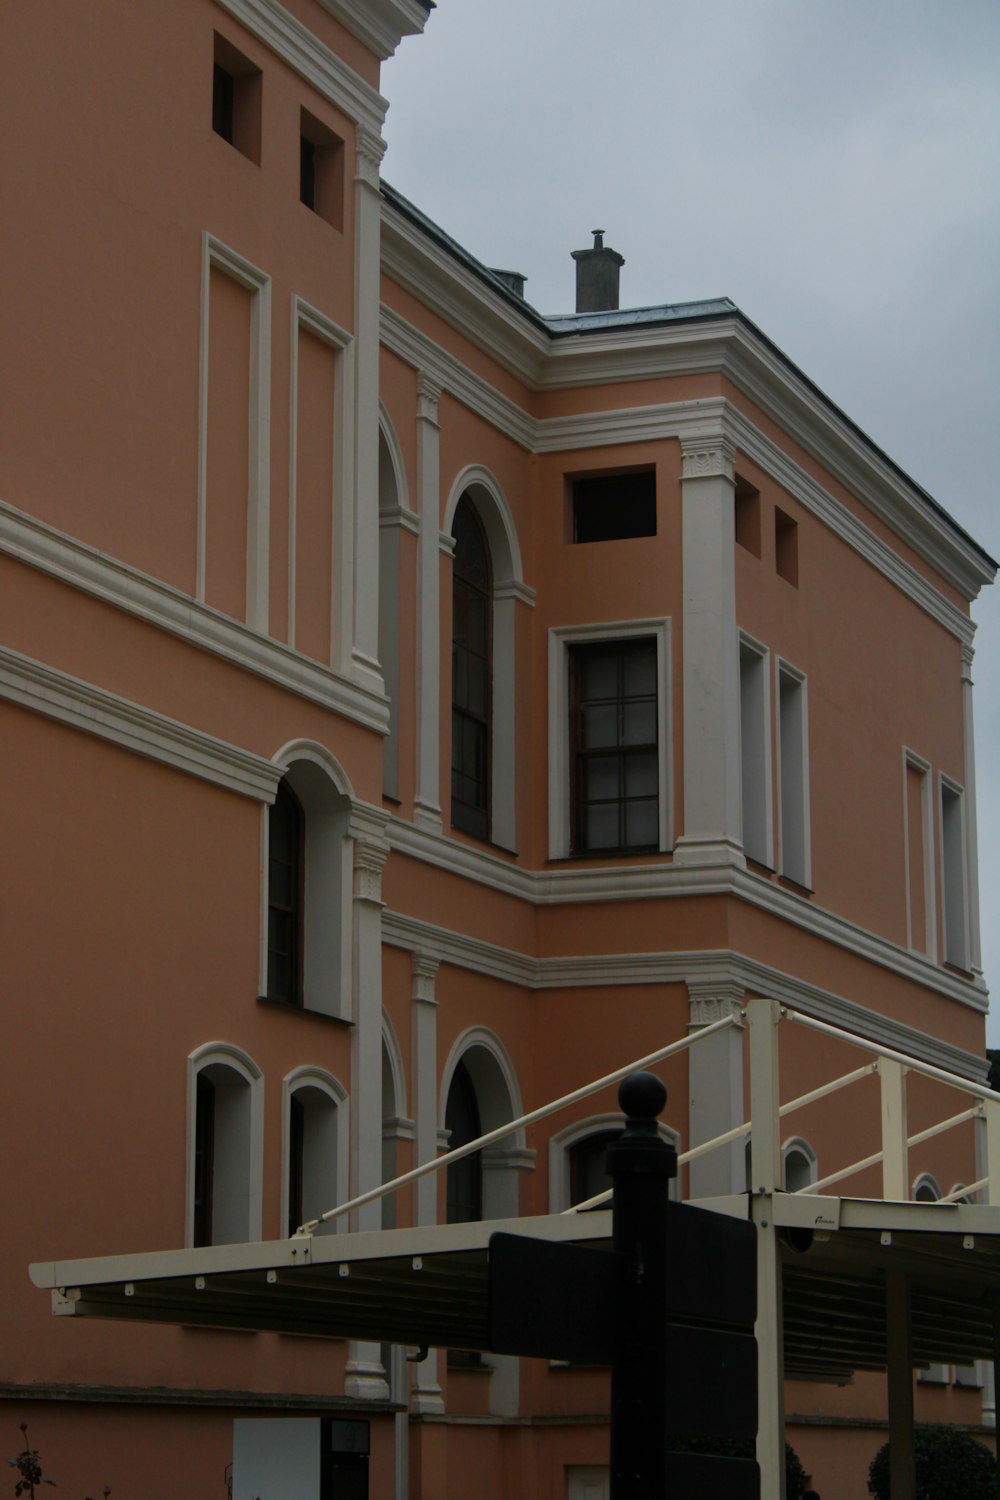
597	273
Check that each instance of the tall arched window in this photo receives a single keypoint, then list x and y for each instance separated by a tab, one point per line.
224	1146
471	705
465	1177
286	850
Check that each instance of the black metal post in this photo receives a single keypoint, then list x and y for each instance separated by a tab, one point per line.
641	1165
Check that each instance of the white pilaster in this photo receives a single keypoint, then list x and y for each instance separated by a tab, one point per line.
365	1375
763	1018
711	707
971	822
363	600
425	1392
427	801
715	1089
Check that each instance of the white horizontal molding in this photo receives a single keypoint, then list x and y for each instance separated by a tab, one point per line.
801	485
312	59
446	286
650	882
380	24
451	375
94	710
722	967
95	573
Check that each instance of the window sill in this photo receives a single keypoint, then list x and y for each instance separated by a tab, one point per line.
482	843
303	1010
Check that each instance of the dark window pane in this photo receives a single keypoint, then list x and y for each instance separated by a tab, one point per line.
614	735
222	103
470	674
204	1159
612	507
286	851
465	1177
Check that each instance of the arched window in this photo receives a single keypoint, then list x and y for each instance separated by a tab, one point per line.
224	1151
577	1155
306	959
465	1177
798	1165
316	1155
471	689
285	861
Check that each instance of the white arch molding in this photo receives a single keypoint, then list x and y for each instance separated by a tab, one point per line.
324	791
238	1144
564	1140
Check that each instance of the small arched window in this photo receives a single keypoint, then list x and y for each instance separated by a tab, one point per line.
224	1146
316	1157
471	689
285	881
799	1168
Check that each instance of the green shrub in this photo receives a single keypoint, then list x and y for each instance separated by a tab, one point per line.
795	1475
950	1465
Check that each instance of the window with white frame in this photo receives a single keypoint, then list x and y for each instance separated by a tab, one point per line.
225	1134
609	747
577	1154
315	1138
954	885
755	752
308	892
793	776
919	855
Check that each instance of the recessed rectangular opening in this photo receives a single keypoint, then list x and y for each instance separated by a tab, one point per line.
755	753
747	516
956	916
793	778
236	90
614	507
786	547
321	170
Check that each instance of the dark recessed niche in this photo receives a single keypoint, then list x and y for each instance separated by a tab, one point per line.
786	547
747	516
236	88
614	507
321	170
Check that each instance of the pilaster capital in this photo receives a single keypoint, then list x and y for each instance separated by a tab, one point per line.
370	149
428	396
369	861
968	656
708	455
714	1000
424	970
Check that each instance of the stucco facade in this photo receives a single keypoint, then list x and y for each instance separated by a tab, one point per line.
240	431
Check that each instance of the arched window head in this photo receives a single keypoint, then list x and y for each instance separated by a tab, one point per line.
224	1146
471	692
285	885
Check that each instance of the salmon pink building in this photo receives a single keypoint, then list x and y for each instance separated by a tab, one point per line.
415	707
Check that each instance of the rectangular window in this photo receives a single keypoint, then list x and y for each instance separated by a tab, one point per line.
953	881
793	776
614	507
755	753
918	844
321	170
236	90
615	783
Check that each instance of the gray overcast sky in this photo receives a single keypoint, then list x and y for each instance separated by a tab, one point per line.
833	166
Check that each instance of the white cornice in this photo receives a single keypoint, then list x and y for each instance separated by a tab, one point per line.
688	421
82	705
312	59
61	556
718	967
571	884
727	345
380	24
457	295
